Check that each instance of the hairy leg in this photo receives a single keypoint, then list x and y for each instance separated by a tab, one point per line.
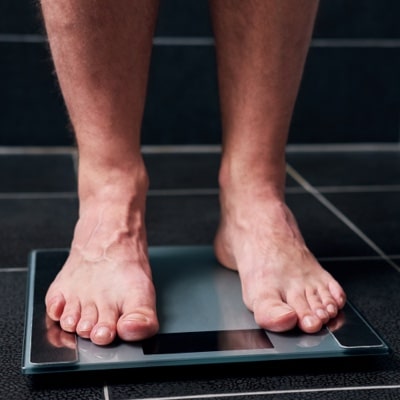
101	51
261	49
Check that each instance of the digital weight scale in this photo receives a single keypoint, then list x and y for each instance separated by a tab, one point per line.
202	321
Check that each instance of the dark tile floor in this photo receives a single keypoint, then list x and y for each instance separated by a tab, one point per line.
346	203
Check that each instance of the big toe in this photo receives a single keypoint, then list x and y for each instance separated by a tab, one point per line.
274	315
138	324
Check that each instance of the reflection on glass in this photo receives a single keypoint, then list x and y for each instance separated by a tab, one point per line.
50	344
57	337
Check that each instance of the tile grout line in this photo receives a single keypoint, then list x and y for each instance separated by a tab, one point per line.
183	41
22	38
106	393
151	193
16	269
214	149
210	191
37	150
182	149
32	38
358	188
193	192
75	162
324	201
182	192
37	195
357	258
343	147
274	392
364	43
217	149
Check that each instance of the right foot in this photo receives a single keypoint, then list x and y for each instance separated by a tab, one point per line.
105	288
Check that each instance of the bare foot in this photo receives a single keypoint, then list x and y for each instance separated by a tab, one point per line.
282	282
105	287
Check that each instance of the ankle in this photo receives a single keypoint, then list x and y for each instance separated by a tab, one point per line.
112	183
249	180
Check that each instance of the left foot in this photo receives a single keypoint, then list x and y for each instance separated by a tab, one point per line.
282	282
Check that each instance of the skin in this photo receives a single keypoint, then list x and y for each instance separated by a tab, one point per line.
261	50
101	51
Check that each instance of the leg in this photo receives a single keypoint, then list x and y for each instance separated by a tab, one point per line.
101	51
261	49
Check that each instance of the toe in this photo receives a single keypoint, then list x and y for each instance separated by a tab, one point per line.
70	315
138	324
104	331
329	302
89	317
310	323
337	293
275	315
332	309
317	306
307	320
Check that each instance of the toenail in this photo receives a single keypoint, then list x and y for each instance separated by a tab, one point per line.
85	326
103	333
331	309
69	322
308	322
322	314
136	317
280	312
53	309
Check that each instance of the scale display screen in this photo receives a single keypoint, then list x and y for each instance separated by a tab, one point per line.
195	342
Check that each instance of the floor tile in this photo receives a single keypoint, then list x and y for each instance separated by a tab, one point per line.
182	171
183	18
182	105
31	224
347	168
37	173
32	111
187	171
376	214
358	19
22	18
311	394
348	95
362	394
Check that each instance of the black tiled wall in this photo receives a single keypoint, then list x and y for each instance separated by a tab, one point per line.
350	91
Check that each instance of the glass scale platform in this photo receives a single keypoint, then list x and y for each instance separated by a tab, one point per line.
202	321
